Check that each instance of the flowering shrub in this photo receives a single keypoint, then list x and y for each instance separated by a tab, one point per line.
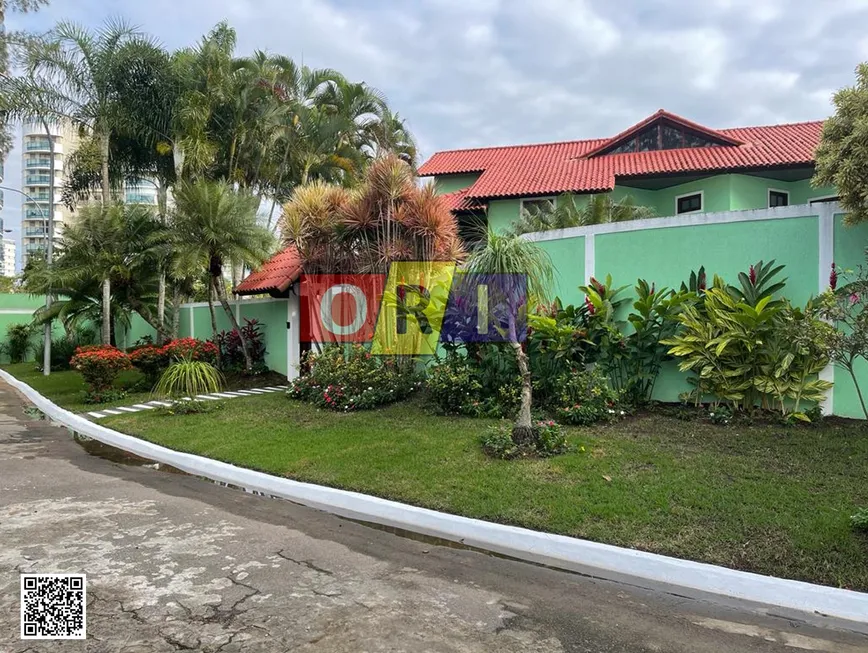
100	366
232	353
482	384
353	380
549	440
150	360
191	348
586	398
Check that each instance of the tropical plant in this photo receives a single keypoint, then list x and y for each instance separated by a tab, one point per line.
214	227
633	361
748	349
107	247
151	360
845	306
231	351
189	377
78	68
498	442
100	366
843	149
387	218
18	343
507	254
576	211
63	347
585	397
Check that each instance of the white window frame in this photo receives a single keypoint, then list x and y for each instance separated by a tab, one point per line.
701	208
552	198
776	190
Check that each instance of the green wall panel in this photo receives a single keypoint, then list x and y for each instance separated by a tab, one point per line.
568	260
451	183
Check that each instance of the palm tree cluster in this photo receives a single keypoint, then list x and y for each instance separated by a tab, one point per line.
221	134
568	212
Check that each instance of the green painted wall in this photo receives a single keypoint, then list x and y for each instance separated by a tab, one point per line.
502	213
18	309
451	183
666	256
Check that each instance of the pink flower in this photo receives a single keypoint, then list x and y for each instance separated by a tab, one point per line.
854	298
833	278
752	275
590	305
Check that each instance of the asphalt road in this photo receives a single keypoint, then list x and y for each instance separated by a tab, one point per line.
177	563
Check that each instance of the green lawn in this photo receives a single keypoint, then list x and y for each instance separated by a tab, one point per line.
66	387
769	499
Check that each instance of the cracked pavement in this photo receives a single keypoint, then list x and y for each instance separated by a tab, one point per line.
175	563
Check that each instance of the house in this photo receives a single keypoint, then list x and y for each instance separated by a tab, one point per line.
664	162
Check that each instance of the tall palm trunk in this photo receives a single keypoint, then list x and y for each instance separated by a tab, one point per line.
162	201
211	292
176	313
279	182
106	311
224	301
104	161
523	431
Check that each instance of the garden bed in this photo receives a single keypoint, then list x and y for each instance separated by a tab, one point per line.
764	498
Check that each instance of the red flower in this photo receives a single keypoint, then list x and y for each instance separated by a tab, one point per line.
702	281
591	308
752	276
833	278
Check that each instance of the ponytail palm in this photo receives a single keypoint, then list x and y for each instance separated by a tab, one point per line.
216	226
509	254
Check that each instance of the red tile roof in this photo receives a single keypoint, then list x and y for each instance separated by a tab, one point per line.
459	202
549	168
275	275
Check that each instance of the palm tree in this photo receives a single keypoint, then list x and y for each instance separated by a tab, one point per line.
501	254
568	212
79	68
391	134
108	250
215	226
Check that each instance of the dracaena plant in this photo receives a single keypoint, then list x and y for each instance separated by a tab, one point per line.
750	350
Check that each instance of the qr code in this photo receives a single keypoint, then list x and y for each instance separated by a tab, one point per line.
53	606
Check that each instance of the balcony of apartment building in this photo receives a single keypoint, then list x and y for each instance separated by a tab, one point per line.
37	179
34	232
41	144
42	162
31	212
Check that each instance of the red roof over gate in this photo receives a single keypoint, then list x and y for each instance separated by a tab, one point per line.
275	275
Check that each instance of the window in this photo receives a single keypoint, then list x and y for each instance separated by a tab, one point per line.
822	200
778	198
538	205
688	203
662	137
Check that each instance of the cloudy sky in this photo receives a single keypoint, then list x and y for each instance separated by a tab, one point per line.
468	73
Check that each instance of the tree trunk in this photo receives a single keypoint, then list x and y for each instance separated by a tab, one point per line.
104	160
106	311
162	201
211	291
245	348
176	313
522	432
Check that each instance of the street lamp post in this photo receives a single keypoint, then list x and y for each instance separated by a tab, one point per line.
46	360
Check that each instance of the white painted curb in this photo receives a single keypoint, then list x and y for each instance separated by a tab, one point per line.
645	569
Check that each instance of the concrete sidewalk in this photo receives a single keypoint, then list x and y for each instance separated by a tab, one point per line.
177	563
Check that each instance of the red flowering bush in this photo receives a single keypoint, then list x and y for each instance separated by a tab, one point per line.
100	365
190	348
150	360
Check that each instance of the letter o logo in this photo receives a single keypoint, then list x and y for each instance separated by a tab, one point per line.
325	309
